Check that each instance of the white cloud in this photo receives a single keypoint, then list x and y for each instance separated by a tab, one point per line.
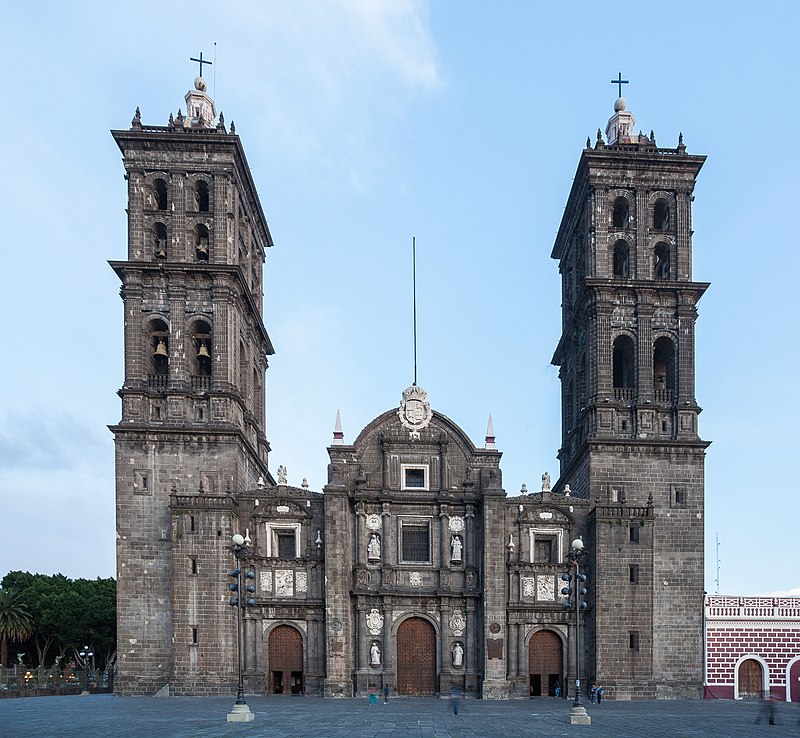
794	592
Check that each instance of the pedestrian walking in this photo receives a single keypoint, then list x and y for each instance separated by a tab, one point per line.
455	697
373	697
385	693
593	694
558	690
600	692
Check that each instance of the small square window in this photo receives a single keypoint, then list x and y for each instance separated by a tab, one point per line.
415	477
543	551
679	497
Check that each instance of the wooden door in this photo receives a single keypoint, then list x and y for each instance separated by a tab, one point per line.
416	657
285	660
544	663
751	679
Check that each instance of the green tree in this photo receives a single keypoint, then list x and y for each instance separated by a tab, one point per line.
68	614
16	623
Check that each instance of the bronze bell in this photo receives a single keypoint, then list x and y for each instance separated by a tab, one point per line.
203	352
202	249
161	254
161	349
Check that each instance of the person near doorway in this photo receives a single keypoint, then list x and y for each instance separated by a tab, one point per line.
385	693
558	690
593	693
600	692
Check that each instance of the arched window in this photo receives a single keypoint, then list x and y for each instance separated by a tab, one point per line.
624	360
201	196
160	187
160	241
661	266
201	242
619	218
202	353
664	368
661	216
621	260
158	345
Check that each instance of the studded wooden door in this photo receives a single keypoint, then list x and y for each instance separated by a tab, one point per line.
544	663
751	679
794	682
416	657
285	661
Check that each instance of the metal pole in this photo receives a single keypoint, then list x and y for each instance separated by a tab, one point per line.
240	691
577	702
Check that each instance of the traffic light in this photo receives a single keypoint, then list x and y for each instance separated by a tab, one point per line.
569	590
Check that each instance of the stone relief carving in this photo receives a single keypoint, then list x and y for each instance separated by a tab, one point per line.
545	588
374	622
301	582
456	524
265	581
528	586
415	579
283	582
457	623
374	521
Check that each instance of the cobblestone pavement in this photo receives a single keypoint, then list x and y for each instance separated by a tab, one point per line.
279	716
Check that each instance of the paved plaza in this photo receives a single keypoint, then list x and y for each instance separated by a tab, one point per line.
105	715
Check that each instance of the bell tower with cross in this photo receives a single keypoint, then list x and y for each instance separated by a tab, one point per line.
630	438
193	427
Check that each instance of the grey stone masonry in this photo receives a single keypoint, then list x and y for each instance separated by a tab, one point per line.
630	439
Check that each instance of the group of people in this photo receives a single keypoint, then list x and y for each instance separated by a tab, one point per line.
373	695
596	693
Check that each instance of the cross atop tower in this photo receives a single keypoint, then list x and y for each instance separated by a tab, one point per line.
618	81
202	61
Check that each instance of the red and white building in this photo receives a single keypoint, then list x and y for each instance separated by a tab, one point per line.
752	647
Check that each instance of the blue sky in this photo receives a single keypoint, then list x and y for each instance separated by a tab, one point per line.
367	123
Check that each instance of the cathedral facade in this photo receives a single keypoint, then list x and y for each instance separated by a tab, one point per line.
412	568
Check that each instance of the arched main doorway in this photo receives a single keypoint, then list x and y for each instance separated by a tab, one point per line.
544	663
750	679
416	657
285	661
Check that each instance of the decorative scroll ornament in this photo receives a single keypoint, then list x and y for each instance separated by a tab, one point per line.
374	622
415	411
457	623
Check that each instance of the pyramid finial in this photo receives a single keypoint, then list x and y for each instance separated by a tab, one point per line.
338	434
490	434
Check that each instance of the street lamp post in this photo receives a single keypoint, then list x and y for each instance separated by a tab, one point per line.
577	714
240	713
86	654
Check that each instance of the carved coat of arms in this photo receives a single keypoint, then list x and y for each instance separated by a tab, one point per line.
415	411
374	622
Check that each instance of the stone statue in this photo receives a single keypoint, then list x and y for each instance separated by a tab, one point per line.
458	655
374	547
546	482
281	474
375	654
455	548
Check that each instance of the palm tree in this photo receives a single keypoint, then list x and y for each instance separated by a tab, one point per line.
16	623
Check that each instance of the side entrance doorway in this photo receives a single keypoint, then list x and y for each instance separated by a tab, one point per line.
750	679
416	657
544	663
285	661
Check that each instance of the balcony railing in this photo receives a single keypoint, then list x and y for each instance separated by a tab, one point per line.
624	394
665	396
200	383
158	381
753	607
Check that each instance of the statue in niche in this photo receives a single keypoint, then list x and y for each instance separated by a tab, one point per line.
458	655
374	547
455	548
375	654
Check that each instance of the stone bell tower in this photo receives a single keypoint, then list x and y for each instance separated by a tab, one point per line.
193	397
630	441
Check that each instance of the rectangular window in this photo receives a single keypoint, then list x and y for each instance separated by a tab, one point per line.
193	564
415	477
415	542
633	640
633	534
191	523
286	547
543	551
194	635
633	573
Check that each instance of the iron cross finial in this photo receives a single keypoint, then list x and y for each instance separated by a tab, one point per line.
618	82
202	61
